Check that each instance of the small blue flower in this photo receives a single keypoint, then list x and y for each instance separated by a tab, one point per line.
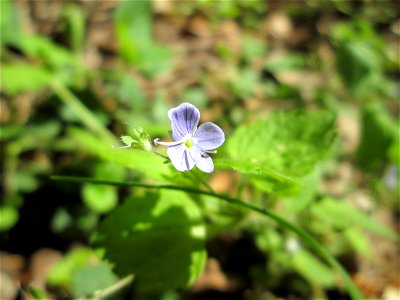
192	145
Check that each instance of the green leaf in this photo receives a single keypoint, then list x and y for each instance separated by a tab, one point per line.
377	133
133	22
92	278
36	293
313	270
252	48
62	273
8	217
154	59
320	250
47	51
99	198
268	179
359	241
10	26
246	83
285	62
75	19
342	215
19	78
143	162
289	143
355	63
134	34
159	238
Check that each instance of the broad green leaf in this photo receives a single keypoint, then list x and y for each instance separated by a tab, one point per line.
154	59
47	51
141	161
134	34
61	274
252	48
37	293
128	90
267	179
359	241
159	238
135	19
99	198
246	83
377	133
92	278
285	62
10	131
313	270
305	196
8	217
289	143
19	78
342	215
355	62
10	26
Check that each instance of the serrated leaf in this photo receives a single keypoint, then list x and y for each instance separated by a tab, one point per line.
289	143
61	273
268	179
159	238
92	278
127	140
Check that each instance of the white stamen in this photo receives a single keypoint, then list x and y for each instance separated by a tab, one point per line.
156	142
120	147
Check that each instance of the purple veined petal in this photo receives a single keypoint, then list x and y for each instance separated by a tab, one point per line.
209	136
180	158
184	120
202	160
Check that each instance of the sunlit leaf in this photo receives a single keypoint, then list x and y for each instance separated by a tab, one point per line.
289	143
312	269
141	161
19	78
92	278
159	238
99	198
61	274
8	217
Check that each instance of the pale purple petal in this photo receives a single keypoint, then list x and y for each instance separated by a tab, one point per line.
202	160
184	120
209	136
180	158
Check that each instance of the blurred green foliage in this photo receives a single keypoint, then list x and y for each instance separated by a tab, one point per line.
278	100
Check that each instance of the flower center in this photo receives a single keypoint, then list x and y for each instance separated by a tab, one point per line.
188	143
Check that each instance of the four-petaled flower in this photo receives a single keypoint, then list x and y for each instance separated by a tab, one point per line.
192	145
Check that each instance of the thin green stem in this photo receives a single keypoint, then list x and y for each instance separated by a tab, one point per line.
319	249
81	111
124	282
